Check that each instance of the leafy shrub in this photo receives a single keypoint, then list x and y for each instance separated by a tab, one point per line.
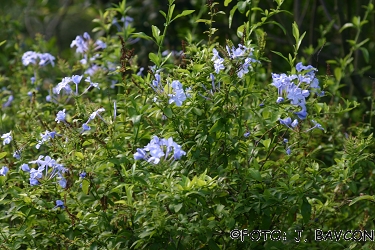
100	153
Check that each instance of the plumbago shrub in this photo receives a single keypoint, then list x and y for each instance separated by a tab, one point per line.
206	143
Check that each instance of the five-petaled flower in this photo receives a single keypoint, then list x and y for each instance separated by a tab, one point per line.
7	138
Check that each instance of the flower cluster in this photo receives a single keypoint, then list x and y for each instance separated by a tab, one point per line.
49	167
76	79
45	137
286	86
178	95
83	44
155	150
242	55
31	57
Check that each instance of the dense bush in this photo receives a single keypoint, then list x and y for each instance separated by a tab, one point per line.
206	142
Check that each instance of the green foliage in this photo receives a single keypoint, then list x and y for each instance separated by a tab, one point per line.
239	171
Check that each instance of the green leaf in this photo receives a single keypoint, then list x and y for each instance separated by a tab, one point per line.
279	54
266	143
337	73
212	245
156	33
241	5
178	207
154	58
231	14
300	40
184	13
168	112
226	2
219	124
2	42
141	35
276	23
86	143
255	174
2	180
365	54
197	111
306	210
295	31
85	186
358	45
170	12
345	26
363	197
163	13
3	154
129	194
79	155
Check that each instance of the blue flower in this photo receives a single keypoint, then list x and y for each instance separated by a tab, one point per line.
94	114
287	121
31	57
8	102
45	137
85	127
60	204
156	84
4	170
236	52
60	117
246	134
62	182
64	84
46	58
17	154
80	43
301	114
7	138
179	96
218	65
316	125
279	99
43	165
100	44
153	151
218	61
294	123
25	167
82	175
33	182
76	79
300	67
92	84
140	154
